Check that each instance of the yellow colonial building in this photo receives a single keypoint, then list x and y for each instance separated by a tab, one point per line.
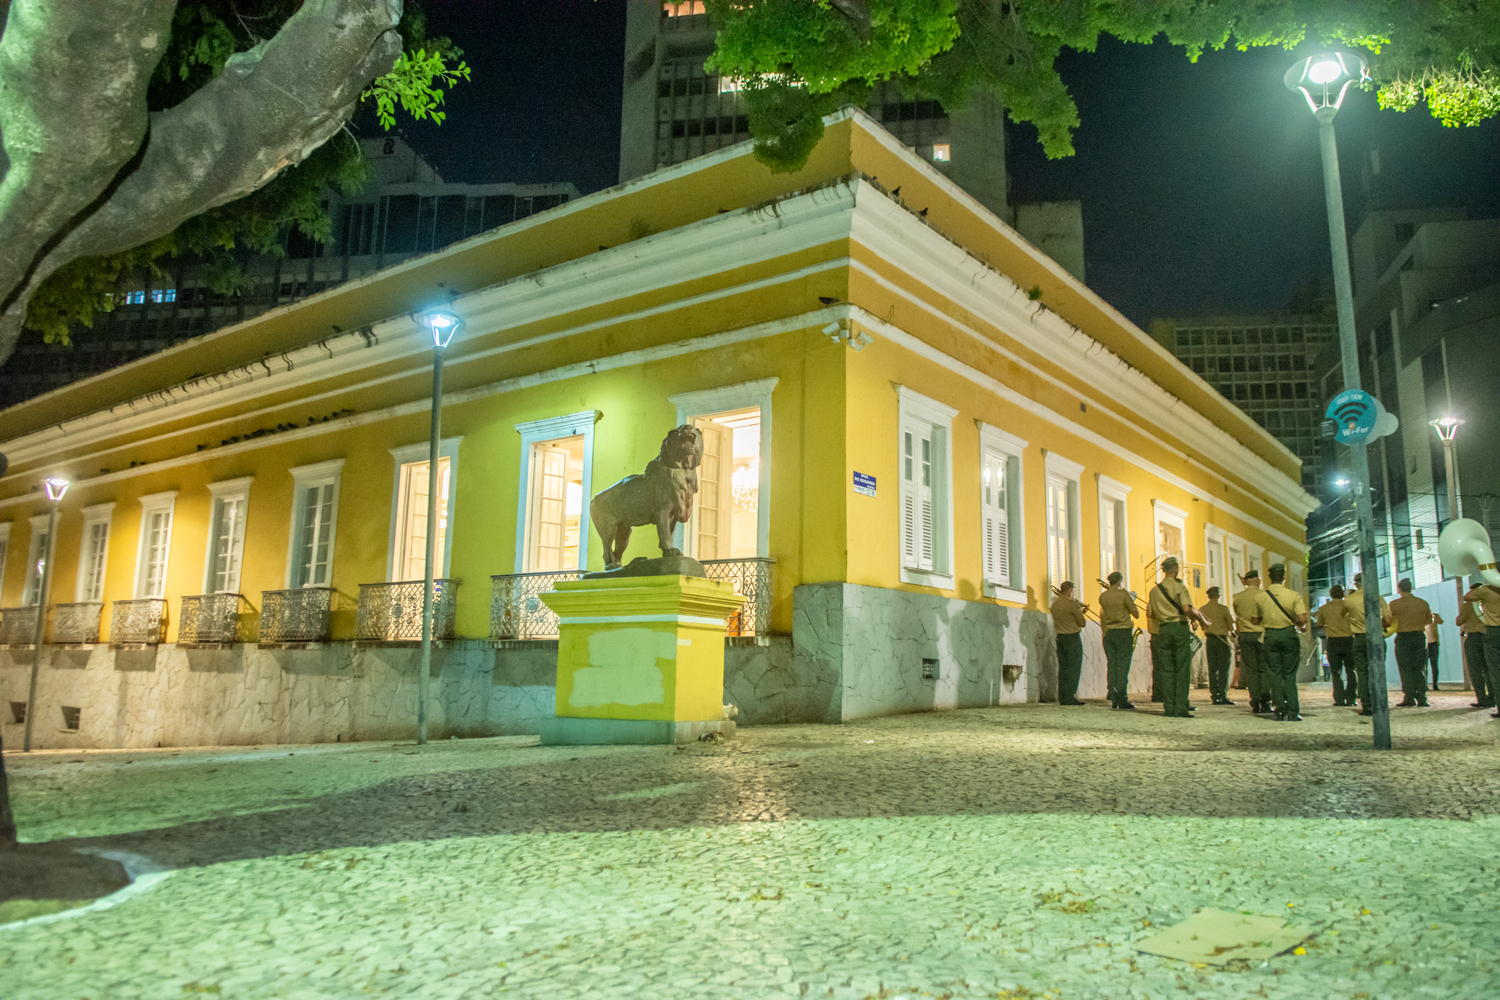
915	425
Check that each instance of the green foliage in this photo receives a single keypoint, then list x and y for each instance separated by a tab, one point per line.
1446	52
205	33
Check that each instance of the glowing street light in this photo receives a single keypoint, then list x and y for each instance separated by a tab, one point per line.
443	325
1324	80
55	488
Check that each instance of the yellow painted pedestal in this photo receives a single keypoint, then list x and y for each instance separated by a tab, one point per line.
640	659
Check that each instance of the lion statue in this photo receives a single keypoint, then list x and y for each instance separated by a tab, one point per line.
663	496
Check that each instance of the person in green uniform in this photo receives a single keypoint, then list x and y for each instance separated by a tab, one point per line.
1068	620
1172	606
1354	603
1117	614
1152	628
1472	628
1412	615
1247	626
1338	641
1220	653
1487	598
1283	613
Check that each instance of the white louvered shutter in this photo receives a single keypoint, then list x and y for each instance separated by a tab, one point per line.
917	473
996	521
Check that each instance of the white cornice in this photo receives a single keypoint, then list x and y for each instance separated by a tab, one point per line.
555	427
713	246
918	346
1162	507
894	235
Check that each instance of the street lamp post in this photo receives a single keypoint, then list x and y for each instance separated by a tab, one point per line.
55	490
443	325
1447	428
1323	80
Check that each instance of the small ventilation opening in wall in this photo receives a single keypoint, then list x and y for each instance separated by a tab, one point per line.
18	711
70	717
929	670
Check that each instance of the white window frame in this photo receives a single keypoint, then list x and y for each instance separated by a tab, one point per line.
1165	513
304	478
99	513
153	504
534	432
1214	542
408	455
913	407
1295	576
996	443
229	489
4	551
1114	494
1069	473
739	396
31	590
1234	544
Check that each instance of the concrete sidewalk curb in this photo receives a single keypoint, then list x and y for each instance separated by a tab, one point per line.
144	873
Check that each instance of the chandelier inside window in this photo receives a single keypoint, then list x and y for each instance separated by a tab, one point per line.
745	483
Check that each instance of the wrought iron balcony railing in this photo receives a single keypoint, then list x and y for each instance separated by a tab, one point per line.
209	618
392	612
139	621
18	626
300	615
517	611
77	624
516	608
751	578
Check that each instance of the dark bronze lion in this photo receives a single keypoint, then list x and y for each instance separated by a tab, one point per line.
663	496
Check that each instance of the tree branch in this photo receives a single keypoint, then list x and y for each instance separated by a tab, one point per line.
268	109
73	78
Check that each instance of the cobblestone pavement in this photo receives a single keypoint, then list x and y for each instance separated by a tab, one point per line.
1013	852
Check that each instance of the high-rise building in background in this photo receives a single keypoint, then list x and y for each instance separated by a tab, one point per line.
673	110
1427	318
406	210
1265	365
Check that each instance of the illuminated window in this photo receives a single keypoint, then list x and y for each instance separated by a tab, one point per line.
683	9
556	480
155	544
36	561
942	153
924	473
1064	562
135	298
1113	528
1002	532
315	505
226	536
93	556
409	511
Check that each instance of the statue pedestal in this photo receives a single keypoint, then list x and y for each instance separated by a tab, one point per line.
640	659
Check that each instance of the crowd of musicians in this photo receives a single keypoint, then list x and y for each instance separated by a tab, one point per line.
1263	623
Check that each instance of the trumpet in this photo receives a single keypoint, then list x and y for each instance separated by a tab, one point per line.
1088	612
1133	595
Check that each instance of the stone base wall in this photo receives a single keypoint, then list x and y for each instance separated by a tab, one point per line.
854	652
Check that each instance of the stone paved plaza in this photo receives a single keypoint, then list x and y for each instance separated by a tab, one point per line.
1009	852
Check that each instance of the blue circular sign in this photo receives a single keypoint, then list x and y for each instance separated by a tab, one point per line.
1355	412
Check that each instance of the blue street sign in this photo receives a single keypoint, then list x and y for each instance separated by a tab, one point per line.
1356	413
864	484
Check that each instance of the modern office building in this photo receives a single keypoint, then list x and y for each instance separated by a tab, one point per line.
673	110
1265	365
1427	315
406	210
904	454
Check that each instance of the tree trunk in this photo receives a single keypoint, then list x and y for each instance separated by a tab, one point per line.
86	173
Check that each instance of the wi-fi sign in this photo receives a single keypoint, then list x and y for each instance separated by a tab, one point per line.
1356	413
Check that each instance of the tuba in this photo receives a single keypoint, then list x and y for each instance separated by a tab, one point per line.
1464	548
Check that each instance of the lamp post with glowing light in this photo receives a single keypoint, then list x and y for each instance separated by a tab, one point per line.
55	490
1447	427
1323	80
443	325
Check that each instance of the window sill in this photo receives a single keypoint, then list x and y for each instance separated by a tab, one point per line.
1004	593
924	578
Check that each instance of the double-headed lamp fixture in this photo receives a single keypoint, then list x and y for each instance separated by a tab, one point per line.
56	488
443	325
1447	427
1325	78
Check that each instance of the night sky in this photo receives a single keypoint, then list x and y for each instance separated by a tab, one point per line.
1201	185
